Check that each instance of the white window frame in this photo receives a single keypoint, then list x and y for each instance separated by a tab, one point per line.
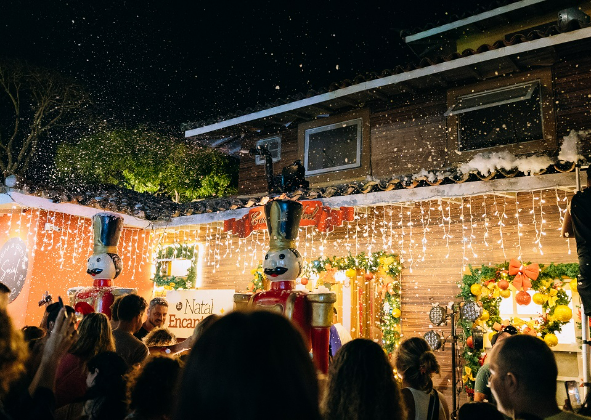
260	160
356	164
571	347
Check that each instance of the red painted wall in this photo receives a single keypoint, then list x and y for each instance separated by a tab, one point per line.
57	259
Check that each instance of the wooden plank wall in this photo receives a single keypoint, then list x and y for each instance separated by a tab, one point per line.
436	240
411	135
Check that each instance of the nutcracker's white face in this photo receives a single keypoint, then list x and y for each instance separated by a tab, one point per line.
102	266
283	265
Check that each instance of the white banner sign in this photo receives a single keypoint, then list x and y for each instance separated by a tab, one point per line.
186	308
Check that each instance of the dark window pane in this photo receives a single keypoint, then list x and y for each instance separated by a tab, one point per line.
500	125
334	148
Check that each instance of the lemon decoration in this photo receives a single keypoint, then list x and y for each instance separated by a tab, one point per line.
351	272
505	293
563	313
573	285
475	289
396	313
539	298
551	340
485	315
485	292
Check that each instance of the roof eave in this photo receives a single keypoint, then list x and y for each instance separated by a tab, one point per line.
397	78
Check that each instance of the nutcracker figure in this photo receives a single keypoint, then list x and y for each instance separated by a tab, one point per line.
311	312
103	266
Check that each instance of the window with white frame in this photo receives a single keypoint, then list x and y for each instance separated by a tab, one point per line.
273	145
567	338
333	147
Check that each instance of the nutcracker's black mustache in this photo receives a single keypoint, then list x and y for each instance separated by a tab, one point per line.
277	271
94	271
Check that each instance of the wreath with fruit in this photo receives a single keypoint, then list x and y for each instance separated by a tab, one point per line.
488	285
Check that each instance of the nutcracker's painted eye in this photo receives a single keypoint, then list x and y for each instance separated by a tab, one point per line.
281	256
267	256
98	260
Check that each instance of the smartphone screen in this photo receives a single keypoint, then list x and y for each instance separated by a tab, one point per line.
572	390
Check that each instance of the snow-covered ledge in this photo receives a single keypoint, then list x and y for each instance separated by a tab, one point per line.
20	200
506	185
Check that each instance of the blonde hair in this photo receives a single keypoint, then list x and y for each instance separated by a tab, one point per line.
13	352
94	336
416	363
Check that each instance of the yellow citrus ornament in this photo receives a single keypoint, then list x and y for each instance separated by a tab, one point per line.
539	299
551	339
485	292
476	289
484	316
505	293
491	335
563	313
396	313
351	272
573	285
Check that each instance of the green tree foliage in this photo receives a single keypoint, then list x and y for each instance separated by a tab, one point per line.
33	101
147	161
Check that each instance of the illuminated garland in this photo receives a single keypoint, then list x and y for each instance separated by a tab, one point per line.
376	263
257	285
176	251
481	285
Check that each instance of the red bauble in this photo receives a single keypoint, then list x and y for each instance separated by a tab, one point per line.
304	281
503	284
470	342
523	298
368	276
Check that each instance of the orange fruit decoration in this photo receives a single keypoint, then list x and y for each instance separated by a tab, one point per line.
304	281
503	284
523	298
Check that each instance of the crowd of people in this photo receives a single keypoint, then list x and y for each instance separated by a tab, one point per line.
243	365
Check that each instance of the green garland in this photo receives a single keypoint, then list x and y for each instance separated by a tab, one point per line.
176	251
372	263
258	275
549	285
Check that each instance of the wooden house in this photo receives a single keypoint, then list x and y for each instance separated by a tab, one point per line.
465	157
462	158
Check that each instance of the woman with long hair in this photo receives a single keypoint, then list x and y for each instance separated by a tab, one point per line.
249	366
94	337
105	398
361	384
416	363
158	376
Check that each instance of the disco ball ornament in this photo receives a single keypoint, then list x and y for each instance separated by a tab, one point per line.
471	311
433	339
437	315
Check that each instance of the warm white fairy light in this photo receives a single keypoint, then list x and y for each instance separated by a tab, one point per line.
35	233
401	241
464	237
446	234
383	229
424	239
562	214
543	221
485	221
500	224
472	226
9	221
519	233
19	222
534	221
411	240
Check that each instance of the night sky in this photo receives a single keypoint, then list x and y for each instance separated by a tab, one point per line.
172	62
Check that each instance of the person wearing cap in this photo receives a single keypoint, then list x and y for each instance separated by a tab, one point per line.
157	311
482	391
